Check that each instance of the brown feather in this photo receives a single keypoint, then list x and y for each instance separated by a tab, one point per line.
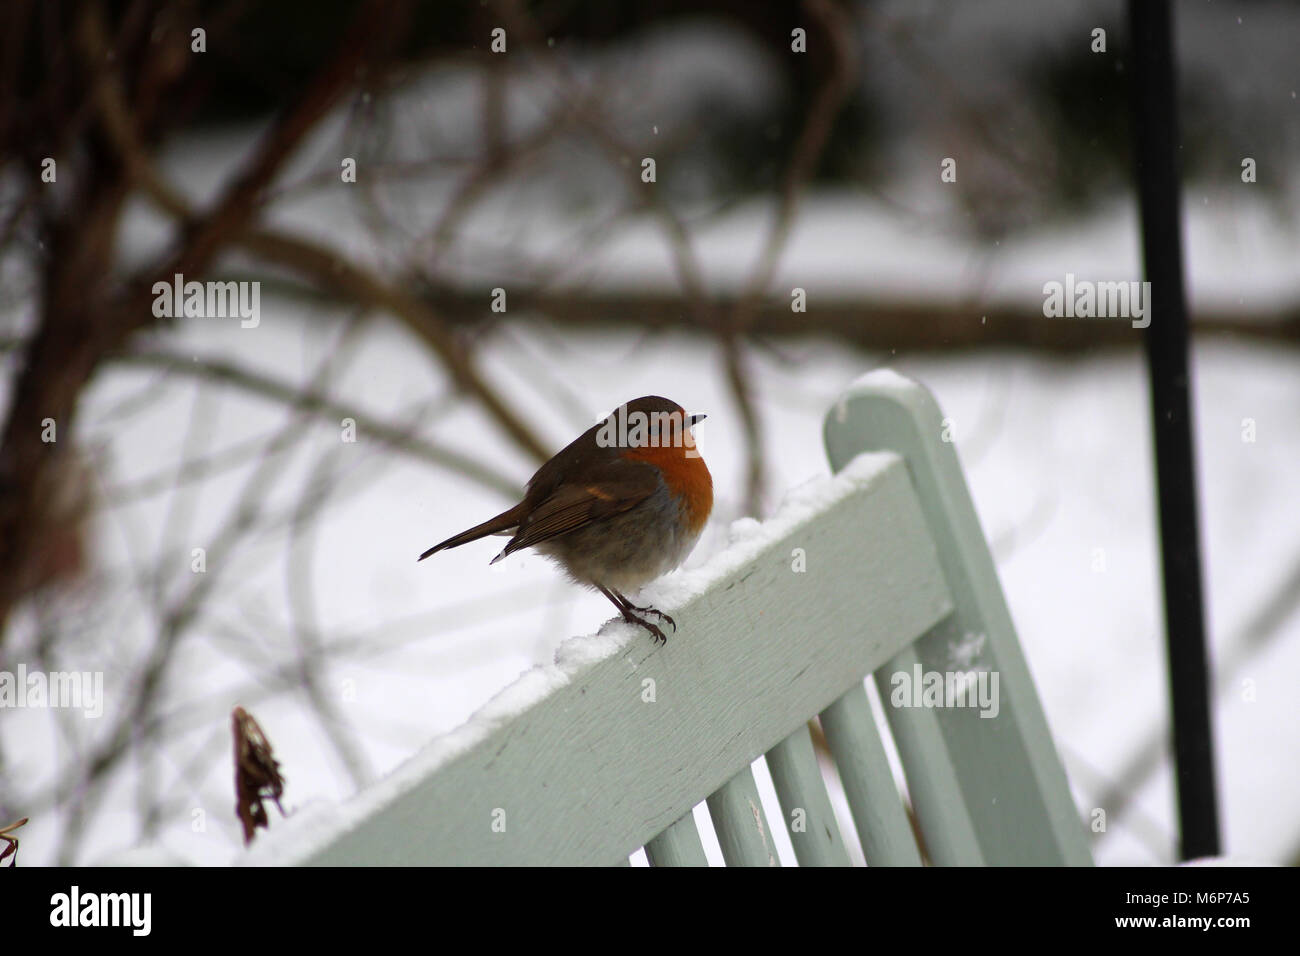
502	522
575	506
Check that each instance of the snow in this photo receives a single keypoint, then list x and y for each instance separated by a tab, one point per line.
884	380
1205	861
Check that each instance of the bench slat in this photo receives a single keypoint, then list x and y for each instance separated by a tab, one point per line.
878	813
679	845
937	798
742	827
800	787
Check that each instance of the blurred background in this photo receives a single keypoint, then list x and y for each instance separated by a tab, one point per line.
464	259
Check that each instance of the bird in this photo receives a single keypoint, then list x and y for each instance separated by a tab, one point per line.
621	505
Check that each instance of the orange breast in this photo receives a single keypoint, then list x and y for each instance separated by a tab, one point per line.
686	476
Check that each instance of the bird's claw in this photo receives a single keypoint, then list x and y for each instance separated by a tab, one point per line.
655	633
655	610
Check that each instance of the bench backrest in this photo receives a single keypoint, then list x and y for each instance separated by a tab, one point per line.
881	570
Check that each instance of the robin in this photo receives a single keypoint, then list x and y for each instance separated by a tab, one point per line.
623	504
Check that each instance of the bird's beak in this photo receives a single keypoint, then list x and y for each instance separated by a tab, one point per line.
694	419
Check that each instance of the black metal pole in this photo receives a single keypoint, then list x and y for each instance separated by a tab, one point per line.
1158	171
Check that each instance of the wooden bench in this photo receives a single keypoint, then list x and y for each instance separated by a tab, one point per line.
878	571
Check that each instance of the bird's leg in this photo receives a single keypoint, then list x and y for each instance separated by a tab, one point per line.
628	605
628	610
647	610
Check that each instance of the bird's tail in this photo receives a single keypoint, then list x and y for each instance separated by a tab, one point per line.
502	522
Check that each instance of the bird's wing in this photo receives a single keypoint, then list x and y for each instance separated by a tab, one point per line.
573	506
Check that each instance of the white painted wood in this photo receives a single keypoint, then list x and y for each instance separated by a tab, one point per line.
878	814
679	845
801	790
585	771
740	823
937	798
1013	797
